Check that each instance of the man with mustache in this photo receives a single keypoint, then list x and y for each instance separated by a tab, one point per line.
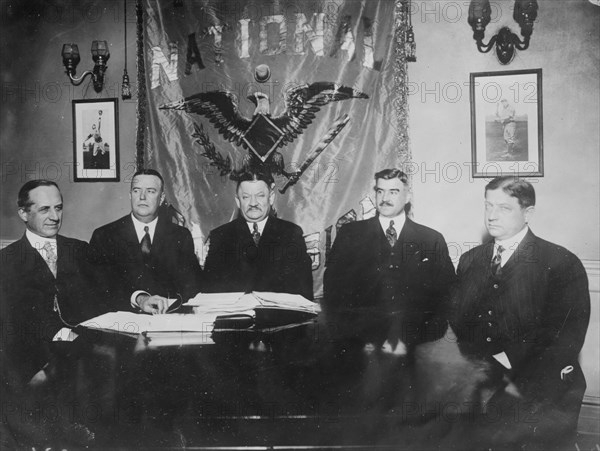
388	279
143	260
257	251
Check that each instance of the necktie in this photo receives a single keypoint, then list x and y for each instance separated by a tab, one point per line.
146	243
496	262
255	233
390	234
51	257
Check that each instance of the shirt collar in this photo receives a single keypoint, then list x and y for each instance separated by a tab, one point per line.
139	228
398	222
261	225
38	242
510	244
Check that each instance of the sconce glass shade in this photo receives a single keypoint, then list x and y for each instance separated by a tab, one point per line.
480	15
100	54
100	50
70	54
525	14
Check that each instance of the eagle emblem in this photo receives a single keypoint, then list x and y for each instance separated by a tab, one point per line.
262	134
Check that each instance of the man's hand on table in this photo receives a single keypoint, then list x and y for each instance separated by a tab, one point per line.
152	304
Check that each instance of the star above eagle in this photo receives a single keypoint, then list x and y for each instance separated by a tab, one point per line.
263	133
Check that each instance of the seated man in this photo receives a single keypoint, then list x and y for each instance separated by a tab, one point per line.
523	305
143	259
45	285
388	279
257	251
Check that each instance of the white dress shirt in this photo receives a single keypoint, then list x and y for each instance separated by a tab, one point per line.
140	232
260	224
398	223
139	228
510	245
38	243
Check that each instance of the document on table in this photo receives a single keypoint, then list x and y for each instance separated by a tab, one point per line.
246	302
135	323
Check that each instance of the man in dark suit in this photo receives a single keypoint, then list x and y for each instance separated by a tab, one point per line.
388	278
45	285
143	259
257	251
523	305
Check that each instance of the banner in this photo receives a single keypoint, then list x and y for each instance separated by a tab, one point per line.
311	90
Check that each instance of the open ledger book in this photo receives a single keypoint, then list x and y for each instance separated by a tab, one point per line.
213	313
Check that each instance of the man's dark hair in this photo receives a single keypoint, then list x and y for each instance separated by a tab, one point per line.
393	173
513	186
150	172
24	201
255	176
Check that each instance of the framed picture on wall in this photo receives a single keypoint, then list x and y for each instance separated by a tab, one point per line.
506	123
95	140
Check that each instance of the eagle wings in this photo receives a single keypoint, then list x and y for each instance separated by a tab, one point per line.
302	104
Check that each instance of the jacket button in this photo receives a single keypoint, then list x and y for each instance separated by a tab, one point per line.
488	339
496	285
391	266
489	324
490	312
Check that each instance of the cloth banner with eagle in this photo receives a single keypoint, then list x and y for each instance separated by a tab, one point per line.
303	89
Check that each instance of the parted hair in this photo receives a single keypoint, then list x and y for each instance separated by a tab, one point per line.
153	172
515	187
392	173
23	199
255	176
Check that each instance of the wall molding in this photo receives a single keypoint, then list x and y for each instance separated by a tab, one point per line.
592	267
4	243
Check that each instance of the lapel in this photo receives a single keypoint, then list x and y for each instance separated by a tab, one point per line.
270	232
374	240
525	253
33	263
243	233
409	242
128	237
160	236
66	254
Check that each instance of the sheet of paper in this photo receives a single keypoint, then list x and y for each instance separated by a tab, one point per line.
65	334
286	300
135	323
214	300
503	359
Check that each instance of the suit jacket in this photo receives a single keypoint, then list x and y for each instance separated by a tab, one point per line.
374	292
279	263
172	269
536	311
27	292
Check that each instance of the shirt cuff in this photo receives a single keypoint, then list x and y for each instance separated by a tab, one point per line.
134	296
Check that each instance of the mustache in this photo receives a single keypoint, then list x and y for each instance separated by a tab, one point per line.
384	203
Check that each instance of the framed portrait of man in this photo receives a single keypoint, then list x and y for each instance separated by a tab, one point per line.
506	123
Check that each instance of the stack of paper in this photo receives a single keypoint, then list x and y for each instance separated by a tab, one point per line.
245	303
136	323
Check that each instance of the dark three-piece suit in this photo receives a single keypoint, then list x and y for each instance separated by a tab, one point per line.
172	270
28	290
536	311
278	264
374	292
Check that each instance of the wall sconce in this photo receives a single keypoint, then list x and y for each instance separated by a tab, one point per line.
100	55
506	41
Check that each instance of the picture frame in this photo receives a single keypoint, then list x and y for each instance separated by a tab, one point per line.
506	123
96	140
